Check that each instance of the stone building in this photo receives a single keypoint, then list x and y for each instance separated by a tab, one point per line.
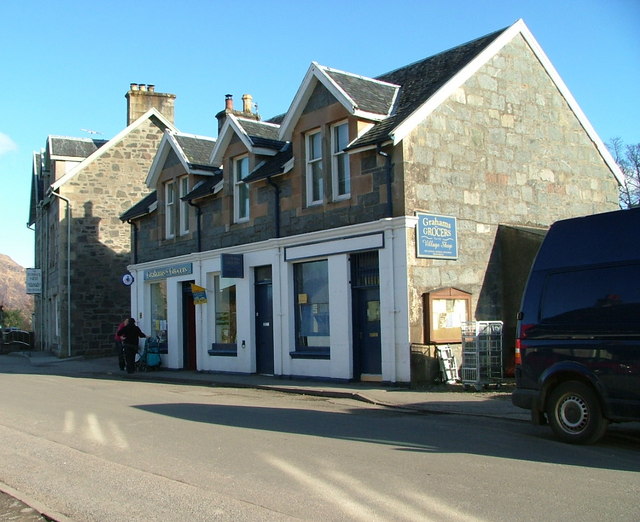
348	237
79	188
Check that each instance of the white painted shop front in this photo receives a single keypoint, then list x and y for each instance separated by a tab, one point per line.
331	304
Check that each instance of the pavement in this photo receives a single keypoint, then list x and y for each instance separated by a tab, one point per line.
492	401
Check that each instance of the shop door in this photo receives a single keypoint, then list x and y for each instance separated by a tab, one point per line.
188	328
264	320
365	296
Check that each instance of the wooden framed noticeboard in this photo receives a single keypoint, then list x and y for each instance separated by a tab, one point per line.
444	312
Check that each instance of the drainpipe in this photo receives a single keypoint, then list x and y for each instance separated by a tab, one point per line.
68	202
38	306
277	204
388	170
198	223
135	240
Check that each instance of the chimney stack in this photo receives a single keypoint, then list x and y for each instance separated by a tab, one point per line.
142	97
246	103
246	112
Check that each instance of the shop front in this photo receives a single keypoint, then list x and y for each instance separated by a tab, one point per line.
330	305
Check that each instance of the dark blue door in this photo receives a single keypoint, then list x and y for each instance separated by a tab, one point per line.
365	296
264	320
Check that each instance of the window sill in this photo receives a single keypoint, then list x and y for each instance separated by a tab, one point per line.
222	353
308	354
223	350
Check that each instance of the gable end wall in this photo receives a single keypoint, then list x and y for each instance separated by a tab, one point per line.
101	243
505	148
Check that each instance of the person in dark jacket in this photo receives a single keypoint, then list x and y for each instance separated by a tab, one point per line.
130	335
119	345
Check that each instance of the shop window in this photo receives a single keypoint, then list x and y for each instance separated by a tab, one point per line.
311	286
444	312
224	319
159	314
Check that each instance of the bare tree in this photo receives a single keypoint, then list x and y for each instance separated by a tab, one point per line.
628	159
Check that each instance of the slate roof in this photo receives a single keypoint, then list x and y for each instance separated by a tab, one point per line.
141	208
73	147
368	94
261	134
196	149
204	188
419	81
273	166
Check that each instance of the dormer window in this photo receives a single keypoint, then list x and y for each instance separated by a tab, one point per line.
176	212
340	175
314	181
240	189
169	209
184	206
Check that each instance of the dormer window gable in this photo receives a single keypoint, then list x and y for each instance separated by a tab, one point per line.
362	97
258	137
189	150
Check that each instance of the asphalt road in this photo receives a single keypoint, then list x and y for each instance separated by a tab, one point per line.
113	450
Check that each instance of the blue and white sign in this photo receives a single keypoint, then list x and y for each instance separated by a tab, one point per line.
164	272
436	236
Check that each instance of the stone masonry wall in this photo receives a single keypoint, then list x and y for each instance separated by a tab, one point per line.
505	148
101	244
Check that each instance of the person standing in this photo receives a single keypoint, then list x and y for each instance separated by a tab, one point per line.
130	335
119	346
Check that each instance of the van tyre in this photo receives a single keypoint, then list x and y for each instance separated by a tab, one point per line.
575	414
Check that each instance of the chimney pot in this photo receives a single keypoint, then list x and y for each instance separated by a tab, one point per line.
152	88
134	86
228	102
143	87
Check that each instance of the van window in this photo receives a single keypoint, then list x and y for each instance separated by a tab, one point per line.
597	299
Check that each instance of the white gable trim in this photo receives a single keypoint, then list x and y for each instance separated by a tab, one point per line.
232	124
299	101
169	141
318	73
112	143
518	28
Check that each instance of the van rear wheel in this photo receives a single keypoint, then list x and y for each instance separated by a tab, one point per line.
574	413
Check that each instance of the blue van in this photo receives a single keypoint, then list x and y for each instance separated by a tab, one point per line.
578	330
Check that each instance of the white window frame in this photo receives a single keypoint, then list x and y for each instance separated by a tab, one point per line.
240	190
338	155
314	162
169	209
183	184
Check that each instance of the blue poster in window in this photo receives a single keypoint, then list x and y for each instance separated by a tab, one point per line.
436	236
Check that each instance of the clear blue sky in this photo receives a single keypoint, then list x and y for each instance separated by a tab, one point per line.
66	65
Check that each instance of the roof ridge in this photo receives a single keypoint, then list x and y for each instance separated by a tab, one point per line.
76	138
194	136
359	76
493	34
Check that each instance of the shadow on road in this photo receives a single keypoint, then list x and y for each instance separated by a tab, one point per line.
413	432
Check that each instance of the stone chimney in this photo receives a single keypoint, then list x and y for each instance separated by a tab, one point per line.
246	111
246	103
142	97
